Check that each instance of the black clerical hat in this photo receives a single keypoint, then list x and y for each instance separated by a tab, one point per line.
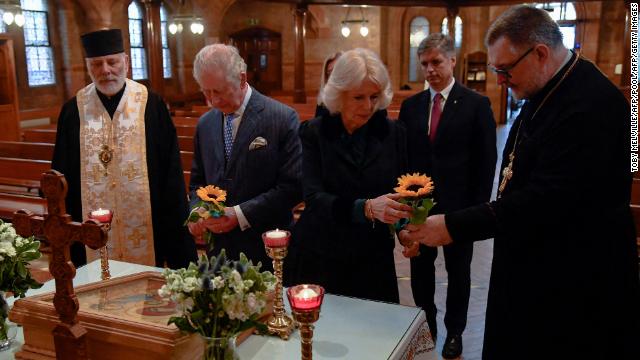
102	42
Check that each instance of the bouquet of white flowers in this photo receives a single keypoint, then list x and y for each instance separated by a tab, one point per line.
15	254
219	298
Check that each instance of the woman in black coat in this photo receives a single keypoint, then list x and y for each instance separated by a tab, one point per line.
352	158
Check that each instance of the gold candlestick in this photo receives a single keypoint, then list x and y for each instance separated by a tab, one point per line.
279	322
306	320
305	301
104	263
104	217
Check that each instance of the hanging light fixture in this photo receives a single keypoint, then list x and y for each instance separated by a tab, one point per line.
179	21
12	12
364	29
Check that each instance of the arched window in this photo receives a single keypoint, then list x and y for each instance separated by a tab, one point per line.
565	15
40	67
3	26
138	56
445	30
419	29
166	54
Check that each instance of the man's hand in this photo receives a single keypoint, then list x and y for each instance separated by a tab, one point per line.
222	224
219	225
432	233
411	250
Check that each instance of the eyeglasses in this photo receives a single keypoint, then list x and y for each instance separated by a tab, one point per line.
505	71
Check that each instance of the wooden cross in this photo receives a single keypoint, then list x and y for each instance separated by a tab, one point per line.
69	335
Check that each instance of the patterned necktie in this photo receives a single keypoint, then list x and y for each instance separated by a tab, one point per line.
436	111
228	135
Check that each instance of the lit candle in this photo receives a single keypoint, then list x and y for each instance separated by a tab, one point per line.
276	238
101	215
305	297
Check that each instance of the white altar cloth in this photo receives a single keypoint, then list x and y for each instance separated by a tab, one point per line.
348	328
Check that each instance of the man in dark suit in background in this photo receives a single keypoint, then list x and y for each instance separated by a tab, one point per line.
247	145
452	138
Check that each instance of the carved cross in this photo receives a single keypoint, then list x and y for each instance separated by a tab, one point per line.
57	227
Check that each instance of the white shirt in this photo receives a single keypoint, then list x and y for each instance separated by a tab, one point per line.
445	95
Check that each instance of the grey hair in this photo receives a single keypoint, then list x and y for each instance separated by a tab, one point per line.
219	57
349	71
525	26
323	76
437	41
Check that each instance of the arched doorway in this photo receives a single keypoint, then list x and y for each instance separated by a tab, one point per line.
262	51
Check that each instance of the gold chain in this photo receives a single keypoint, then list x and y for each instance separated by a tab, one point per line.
507	172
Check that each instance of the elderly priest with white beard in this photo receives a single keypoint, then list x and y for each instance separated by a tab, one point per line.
117	147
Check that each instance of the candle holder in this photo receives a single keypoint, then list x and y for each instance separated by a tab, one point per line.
275	244
103	216
305	301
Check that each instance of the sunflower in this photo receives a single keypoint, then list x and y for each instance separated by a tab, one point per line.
212	194
414	185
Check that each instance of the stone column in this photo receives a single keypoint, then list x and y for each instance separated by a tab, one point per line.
153	44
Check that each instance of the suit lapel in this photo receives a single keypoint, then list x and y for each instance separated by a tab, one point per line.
217	143
450	108
246	130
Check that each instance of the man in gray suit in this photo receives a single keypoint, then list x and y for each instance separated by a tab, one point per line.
247	145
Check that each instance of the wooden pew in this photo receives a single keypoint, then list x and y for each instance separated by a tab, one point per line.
22	173
181	120
26	150
10	203
40	135
186	158
185	143
185	130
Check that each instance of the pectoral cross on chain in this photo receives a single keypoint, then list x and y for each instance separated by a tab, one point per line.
507	173
69	336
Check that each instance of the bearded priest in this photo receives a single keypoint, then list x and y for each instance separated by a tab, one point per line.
117	147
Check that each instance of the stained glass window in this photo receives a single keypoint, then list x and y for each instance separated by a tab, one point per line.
445	30
138	55
419	29
166	54
40	66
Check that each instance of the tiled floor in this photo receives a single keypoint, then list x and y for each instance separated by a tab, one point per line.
480	271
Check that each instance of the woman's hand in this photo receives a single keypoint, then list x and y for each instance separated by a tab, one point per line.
387	209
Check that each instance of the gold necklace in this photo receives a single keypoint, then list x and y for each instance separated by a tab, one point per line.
507	172
106	152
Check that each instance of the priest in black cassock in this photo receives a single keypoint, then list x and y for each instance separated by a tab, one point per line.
117	147
564	277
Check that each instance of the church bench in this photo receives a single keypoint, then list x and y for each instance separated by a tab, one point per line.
185	130
635	191
200	109
40	135
10	203
22	174
185	143
26	150
186	113
183	120
186	158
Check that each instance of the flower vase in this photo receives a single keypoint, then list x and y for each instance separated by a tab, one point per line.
221	348
7	329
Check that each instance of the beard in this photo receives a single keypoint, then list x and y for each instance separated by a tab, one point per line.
109	85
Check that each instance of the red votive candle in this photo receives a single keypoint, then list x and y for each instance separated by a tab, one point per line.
101	215
305	297
276	238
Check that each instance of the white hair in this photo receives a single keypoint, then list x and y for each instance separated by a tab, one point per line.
219	57
349	71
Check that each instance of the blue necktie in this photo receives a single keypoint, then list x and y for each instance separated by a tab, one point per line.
228	135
